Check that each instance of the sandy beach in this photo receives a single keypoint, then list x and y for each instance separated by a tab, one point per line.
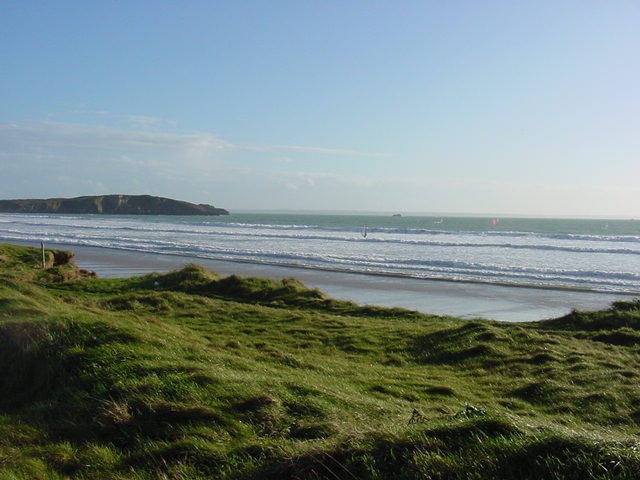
461	299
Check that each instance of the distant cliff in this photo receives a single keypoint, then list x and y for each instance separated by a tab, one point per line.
110	205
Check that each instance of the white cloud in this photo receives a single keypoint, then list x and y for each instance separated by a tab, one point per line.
25	138
70	139
283	160
313	191
41	159
64	159
76	159
330	151
144	121
92	113
301	149
301	180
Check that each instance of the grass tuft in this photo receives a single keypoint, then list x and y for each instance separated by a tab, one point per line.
190	375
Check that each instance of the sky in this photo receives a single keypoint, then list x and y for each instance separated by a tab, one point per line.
496	107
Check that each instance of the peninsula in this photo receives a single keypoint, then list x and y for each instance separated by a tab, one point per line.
110	205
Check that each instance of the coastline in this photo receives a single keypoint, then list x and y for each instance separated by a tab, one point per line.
511	303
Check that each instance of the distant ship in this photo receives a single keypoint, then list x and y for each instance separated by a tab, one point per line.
396	215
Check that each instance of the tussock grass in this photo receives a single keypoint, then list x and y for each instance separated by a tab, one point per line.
189	375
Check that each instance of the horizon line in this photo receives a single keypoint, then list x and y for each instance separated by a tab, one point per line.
433	214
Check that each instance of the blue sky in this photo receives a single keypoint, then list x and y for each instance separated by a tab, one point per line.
494	107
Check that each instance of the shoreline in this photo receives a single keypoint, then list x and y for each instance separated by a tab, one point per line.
337	270
502	302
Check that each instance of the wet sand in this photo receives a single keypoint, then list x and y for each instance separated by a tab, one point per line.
460	299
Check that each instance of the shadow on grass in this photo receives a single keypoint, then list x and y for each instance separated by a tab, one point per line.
458	345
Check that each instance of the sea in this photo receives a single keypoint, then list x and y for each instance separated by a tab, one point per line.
601	255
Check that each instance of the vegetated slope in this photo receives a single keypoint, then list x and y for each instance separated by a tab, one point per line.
189	375
110	204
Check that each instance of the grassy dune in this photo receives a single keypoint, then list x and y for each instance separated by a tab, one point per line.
191	376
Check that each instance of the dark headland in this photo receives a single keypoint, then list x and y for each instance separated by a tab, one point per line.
110	205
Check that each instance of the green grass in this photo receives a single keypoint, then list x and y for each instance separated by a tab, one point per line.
190	375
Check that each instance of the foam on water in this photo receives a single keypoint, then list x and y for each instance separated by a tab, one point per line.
597	255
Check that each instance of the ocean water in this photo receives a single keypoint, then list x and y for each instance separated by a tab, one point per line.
597	255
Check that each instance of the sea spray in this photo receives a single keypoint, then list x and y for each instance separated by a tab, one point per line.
556	253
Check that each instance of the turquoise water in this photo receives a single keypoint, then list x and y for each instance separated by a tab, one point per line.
630	227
